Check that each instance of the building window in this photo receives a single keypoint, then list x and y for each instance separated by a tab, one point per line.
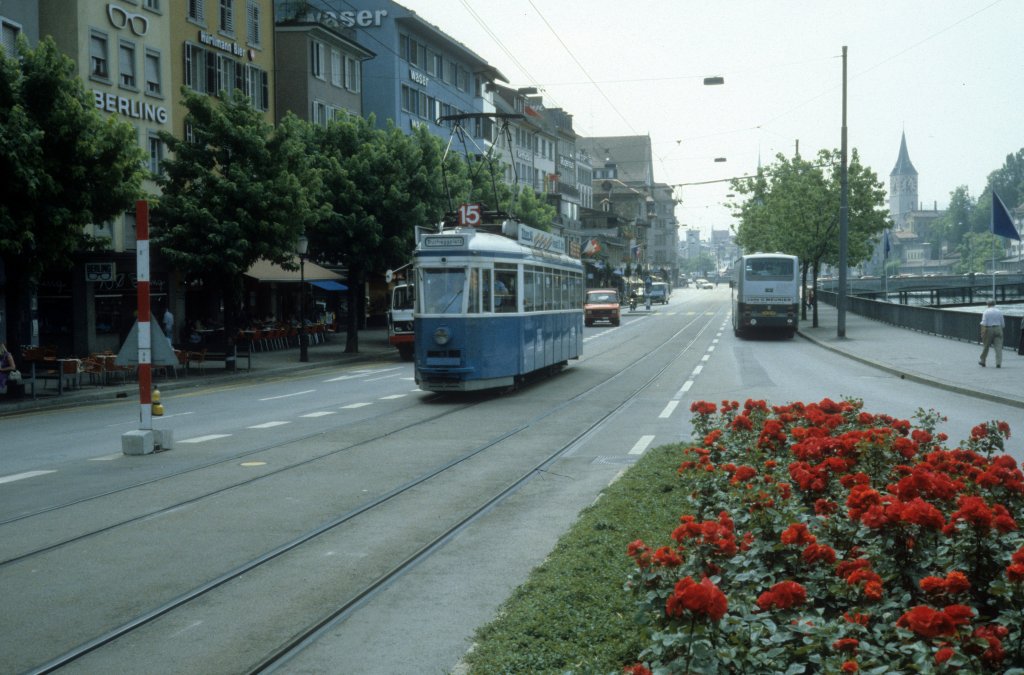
156	154
319	113
257	87
449	73
253	15
153	5
126	63
197	11
154	86
227	16
352	75
99	65
226	76
9	37
336	72
316	59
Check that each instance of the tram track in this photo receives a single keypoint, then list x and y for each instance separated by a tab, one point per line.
277	554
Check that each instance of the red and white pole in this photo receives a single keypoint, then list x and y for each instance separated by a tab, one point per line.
145	332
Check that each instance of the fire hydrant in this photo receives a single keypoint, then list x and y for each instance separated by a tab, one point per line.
157	407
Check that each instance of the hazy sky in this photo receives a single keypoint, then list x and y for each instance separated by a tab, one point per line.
950	73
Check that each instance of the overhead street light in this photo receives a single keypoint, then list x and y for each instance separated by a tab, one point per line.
718	79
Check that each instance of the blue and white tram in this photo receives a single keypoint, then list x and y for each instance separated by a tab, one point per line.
491	310
766	294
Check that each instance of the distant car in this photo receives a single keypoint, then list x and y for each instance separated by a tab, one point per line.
601	304
659	292
703	283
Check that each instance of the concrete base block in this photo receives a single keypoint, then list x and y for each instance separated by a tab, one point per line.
163	439
137	442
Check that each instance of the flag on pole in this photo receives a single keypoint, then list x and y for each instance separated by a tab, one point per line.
886	246
1002	224
592	247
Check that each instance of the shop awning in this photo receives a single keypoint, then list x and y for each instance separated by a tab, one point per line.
264	270
330	285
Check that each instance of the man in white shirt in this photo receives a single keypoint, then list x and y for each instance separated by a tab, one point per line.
992	333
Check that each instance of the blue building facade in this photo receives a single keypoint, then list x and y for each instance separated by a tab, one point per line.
418	73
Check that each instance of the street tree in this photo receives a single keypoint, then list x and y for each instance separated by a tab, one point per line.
378	185
792	206
235	191
65	166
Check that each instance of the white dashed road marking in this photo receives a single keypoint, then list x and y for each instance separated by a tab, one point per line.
203	439
641	445
353	406
669	409
268	425
297	393
22	476
319	414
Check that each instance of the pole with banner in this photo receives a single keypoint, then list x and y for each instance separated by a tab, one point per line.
143	440
145	332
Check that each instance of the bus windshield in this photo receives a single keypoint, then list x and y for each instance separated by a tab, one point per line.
769	269
442	289
401	297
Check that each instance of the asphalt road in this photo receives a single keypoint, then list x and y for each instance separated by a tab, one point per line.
257	464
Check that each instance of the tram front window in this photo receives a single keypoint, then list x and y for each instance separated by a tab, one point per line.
442	290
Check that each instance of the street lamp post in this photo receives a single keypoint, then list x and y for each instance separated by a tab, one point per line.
301	247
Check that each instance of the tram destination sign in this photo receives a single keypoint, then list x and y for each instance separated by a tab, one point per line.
444	241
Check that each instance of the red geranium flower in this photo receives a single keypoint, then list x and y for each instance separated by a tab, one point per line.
943	655
782	595
700	599
667	556
927	622
636	669
819	553
797	534
849	667
846	645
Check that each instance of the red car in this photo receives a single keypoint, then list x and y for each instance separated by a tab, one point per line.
601	304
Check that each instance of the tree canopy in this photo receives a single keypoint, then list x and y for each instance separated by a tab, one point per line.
235	191
65	166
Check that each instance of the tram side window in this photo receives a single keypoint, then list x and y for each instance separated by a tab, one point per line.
442	289
473	301
504	289
533	298
549	291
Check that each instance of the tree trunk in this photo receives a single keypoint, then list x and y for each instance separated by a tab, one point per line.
18	298
355	310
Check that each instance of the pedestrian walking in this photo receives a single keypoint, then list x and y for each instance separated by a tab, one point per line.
992	324
169	326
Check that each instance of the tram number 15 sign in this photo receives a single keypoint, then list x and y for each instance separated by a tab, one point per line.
470	215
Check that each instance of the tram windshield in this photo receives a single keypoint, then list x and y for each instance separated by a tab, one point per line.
442	289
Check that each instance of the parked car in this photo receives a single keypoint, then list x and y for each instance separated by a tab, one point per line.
601	304
659	292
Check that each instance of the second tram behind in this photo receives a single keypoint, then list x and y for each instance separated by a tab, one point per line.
492	309
766	294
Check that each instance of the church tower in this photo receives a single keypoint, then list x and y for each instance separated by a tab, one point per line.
902	187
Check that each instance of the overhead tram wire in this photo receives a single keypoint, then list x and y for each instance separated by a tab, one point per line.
580	66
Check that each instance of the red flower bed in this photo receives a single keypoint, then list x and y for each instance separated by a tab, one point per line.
823	536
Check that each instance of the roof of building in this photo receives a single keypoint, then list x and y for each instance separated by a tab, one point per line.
903	165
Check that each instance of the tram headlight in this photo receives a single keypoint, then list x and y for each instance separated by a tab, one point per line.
441	335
